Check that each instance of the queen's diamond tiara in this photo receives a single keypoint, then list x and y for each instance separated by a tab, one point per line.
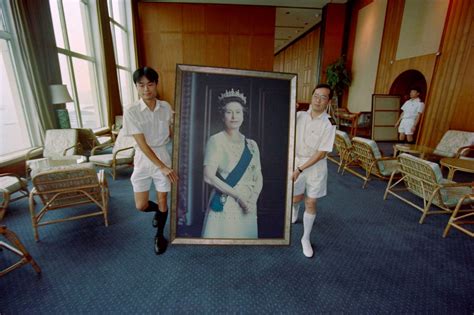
233	93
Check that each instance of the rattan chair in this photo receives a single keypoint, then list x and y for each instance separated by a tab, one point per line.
88	140
343	146
65	187
425	180
11	184
16	247
122	154
366	155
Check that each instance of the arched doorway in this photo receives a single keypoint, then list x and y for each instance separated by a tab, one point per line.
405	81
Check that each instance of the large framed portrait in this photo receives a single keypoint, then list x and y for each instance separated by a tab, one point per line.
233	151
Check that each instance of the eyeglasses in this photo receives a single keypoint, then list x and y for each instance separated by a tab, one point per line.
321	97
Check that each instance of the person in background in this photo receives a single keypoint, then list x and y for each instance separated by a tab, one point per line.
410	117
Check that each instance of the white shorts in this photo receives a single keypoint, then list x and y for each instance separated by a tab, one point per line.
145	172
405	126
313	180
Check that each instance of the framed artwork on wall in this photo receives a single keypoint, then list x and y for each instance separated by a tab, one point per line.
233	150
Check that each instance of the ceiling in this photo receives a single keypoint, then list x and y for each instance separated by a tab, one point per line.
293	17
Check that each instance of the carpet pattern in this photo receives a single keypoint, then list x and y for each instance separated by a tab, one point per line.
371	256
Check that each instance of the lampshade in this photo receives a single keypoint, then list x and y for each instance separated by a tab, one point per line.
59	94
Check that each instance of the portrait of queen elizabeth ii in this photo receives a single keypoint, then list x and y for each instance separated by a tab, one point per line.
233	150
232	168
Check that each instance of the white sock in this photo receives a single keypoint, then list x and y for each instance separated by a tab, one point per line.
294	213
308	220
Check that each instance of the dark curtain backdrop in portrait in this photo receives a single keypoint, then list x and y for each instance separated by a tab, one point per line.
266	122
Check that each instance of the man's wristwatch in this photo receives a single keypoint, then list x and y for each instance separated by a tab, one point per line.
299	169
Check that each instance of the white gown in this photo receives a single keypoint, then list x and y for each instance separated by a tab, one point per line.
232	222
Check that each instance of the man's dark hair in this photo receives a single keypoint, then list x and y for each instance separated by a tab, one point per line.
415	88
326	86
146	72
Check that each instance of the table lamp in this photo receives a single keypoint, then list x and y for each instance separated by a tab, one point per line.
60	95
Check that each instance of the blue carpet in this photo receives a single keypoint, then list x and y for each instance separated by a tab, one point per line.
371	256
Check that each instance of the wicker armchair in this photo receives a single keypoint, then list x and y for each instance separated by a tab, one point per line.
122	154
15	246
452	143
11	184
58	144
367	155
344	149
425	180
65	187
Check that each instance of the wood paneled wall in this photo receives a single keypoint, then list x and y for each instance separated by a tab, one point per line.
451	97
212	35
301	57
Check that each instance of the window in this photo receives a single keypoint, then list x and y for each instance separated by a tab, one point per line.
78	62
13	128
121	26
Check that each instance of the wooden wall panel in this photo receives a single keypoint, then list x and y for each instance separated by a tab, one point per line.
389	68
450	97
203	34
333	38
301	57
393	22
260	49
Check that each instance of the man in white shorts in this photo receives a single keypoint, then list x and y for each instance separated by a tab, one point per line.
314	139
410	117
149	122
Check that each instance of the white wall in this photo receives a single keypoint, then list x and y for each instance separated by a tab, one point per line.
422	27
368	40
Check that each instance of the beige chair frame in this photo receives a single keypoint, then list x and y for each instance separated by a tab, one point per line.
17	248
457	222
65	187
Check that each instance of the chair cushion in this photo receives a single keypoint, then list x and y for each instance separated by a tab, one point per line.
344	136
106	159
452	141
57	140
11	184
387	167
451	195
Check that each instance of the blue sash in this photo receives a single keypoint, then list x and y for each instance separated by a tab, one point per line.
217	204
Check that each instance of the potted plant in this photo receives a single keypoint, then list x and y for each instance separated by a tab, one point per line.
338	77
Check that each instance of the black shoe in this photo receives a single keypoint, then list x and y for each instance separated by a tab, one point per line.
161	244
155	219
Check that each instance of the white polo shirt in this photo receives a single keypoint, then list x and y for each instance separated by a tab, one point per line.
412	108
138	118
313	134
